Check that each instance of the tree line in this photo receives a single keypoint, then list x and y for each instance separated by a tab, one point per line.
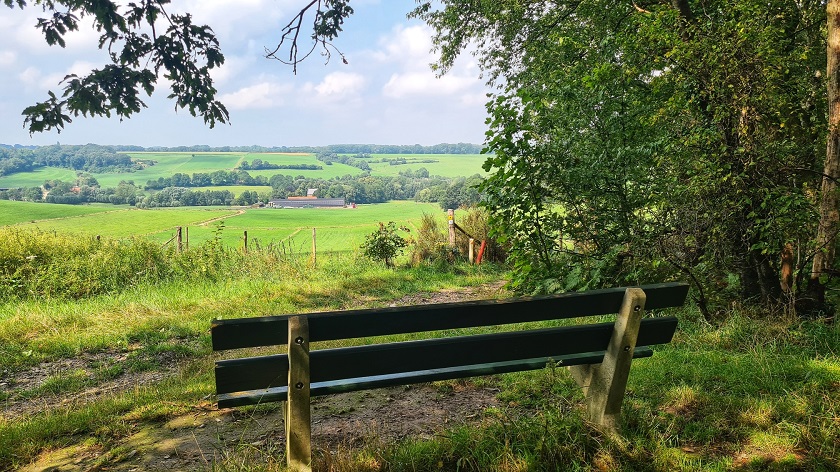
180	190
87	158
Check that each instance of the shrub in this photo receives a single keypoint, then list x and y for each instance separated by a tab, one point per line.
431	241
475	221
384	244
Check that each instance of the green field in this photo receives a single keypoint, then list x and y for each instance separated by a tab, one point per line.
37	177
19	212
128	222
337	229
448	165
170	163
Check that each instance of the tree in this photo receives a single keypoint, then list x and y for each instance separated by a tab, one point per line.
176	50
829	220
641	140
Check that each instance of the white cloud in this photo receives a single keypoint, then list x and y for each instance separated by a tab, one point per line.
7	58
425	83
409	46
238	19
266	94
340	85
408	49
30	75
232	68
51	81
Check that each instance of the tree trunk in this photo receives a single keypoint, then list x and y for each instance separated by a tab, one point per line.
829	216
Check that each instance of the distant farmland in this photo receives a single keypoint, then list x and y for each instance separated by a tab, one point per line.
169	163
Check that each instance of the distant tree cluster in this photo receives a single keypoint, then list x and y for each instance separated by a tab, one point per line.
88	158
401	161
443	148
409	185
30	194
354	161
180	196
259	164
204	179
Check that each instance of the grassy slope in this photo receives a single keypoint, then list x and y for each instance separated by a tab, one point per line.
19	212
37	177
448	165
131	222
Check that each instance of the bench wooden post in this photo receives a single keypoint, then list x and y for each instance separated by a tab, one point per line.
604	385
298	425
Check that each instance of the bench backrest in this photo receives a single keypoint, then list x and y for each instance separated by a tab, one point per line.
265	378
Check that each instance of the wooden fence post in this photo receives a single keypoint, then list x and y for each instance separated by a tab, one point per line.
314	249
450	215
472	250
187	238
604	385
179	240
298	421
245	247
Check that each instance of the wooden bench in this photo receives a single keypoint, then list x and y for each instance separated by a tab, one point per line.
599	353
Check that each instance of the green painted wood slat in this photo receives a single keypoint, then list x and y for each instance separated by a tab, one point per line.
410	356
279	393
324	326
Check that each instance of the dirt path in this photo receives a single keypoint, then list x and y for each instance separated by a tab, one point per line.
213	220
194	441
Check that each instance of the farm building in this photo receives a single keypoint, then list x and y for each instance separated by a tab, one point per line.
307	202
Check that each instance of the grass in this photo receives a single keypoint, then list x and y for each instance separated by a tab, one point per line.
336	229
448	165
37	177
756	392
752	394
12	212
129	222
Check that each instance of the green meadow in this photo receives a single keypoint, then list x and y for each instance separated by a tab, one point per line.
37	177
128	222
337	229
19	212
448	165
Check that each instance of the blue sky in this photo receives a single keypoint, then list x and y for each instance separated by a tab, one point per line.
387	94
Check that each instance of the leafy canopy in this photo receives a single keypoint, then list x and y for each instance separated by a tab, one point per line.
143	43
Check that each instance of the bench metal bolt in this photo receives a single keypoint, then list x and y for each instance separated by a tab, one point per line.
299	340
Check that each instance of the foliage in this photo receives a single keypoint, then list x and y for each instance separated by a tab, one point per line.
476	222
177	50
430	241
635	142
88	158
384	244
42	265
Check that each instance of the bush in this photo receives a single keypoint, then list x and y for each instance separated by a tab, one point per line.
430	244
384	244
474	220
36	264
